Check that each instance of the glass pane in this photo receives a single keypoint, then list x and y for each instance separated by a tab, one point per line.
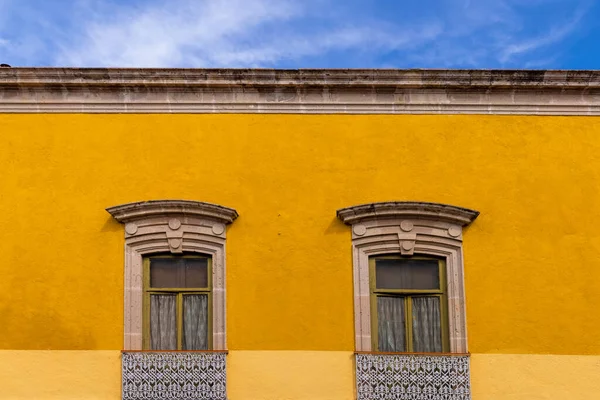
427	324
164	273
195	322
196	275
163	322
407	274
390	323
178	272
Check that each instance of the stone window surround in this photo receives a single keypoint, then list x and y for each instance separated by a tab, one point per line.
408	228
175	226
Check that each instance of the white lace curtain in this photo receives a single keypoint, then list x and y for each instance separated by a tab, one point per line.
195	322
425	323
163	322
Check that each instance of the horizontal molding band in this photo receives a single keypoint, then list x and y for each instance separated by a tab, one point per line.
258	109
316	77
73	90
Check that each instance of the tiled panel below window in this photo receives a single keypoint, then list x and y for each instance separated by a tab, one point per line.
174	375
412	377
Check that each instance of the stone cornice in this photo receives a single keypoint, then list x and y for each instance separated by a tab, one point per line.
407	209
438	78
102	90
147	209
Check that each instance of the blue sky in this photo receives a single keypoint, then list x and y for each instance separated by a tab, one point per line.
537	34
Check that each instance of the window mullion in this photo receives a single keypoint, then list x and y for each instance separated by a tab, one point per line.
179	321
179	290
407	292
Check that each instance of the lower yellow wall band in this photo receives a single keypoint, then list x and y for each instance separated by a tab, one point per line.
60	374
533	377
317	375
293	375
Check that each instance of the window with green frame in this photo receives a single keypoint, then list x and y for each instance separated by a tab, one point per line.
177	302
408	304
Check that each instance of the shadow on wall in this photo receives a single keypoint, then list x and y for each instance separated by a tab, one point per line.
336	227
111	225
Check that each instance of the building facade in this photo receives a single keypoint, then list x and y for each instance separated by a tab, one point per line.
306	234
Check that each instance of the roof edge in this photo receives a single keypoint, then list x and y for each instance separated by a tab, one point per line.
303	91
285	77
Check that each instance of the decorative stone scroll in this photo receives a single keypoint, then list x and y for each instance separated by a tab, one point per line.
407	228
175	226
412	377
174	375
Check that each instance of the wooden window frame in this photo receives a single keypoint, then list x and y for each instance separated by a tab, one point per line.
408	228
175	227
408	294
179	292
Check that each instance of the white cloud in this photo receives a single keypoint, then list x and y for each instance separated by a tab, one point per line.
292	47
540	63
502	34
166	34
556	34
231	33
275	33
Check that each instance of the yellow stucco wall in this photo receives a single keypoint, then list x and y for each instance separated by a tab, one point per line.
531	258
534	377
60	375
293	375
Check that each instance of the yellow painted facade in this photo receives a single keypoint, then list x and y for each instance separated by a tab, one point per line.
531	258
293	375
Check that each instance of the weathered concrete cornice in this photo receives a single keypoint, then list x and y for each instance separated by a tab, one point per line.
102	90
407	209
282	77
146	209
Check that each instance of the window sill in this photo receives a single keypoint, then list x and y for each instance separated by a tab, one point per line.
404	353
175	351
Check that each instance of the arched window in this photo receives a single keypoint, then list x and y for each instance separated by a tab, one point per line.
408	276
174	274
